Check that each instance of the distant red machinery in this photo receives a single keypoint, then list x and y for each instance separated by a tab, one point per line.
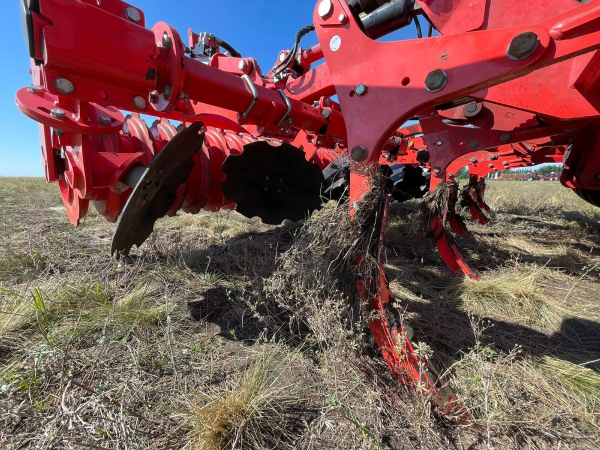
503	84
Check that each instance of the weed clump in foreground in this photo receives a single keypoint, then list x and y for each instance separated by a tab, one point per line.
264	408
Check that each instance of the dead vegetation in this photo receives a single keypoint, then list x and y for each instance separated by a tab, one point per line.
221	332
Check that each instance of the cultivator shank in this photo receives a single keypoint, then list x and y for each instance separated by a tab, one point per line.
501	85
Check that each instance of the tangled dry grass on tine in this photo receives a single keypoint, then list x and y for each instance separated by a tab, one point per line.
315	280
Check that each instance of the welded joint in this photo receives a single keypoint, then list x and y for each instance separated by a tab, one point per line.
252	88
288	105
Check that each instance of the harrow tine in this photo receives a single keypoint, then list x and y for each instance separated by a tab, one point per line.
392	337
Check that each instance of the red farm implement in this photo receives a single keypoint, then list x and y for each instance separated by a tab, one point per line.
503	84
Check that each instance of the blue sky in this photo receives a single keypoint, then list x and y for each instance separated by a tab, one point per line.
257	28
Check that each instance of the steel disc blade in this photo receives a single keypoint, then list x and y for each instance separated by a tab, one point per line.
273	183
157	189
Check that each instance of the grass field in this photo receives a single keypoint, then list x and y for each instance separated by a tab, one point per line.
182	345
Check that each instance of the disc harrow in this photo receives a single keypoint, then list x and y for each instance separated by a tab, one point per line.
502	85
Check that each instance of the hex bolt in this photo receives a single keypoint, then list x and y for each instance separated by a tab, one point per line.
522	46
505	137
473	144
184	96
473	160
437	170
139	102
439	143
361	90
491	166
450	175
326	113
325	8
167	42
436	80
167	91
359	153
243	65
58	114
35	89
493	157
342	18
104	120
133	15
64	86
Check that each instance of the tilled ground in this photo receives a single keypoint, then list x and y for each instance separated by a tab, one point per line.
181	344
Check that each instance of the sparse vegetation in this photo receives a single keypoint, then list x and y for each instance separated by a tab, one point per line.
202	339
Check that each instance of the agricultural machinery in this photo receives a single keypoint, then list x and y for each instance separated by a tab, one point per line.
487	84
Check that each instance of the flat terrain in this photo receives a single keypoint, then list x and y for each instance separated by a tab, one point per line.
195	341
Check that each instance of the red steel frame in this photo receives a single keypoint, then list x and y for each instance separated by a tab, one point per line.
490	112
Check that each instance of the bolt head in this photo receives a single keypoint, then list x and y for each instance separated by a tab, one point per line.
437	170
359	153
104	120
243	65
139	102
473	144
570	140
523	45
439	143
35	89
436	80
361	90
472	107
326	113
133	15
342	18
505	137
325	8
491	166
493	157
64	86
167	91
58	114
473	160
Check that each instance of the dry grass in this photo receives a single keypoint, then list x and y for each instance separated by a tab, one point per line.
225	333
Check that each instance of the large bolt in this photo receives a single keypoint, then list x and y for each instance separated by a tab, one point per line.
505	137
325	8
58	114
436	80
342	18
35	89
133	15
326	113
523	46
473	144
139	102
439	143
361	90
243	65
359	153
491	166
437	170
493	157
64	86
104	120
473	160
